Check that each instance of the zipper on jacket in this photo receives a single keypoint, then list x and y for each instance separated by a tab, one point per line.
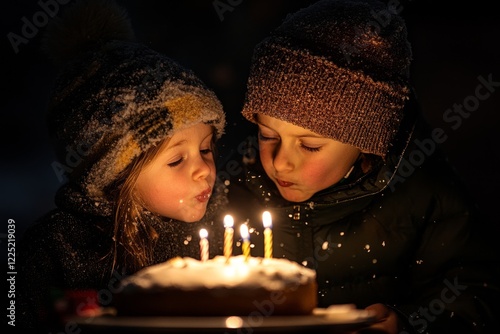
296	212
303	231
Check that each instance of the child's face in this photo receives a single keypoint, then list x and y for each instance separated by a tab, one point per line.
301	162
178	182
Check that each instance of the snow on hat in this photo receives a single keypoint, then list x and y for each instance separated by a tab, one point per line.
115	98
339	68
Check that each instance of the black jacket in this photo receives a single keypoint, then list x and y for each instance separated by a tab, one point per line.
406	234
69	250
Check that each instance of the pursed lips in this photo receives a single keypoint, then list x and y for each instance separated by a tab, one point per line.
284	183
204	195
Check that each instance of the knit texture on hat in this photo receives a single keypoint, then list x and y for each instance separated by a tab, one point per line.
339	68
115	98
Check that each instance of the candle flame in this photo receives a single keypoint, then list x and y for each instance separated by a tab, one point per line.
266	219
203	233
244	232
228	221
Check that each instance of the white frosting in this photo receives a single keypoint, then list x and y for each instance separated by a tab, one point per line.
189	274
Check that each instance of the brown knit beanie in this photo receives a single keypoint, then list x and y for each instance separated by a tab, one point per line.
339	68
115	98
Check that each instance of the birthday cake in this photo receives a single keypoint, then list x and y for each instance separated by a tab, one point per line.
216	287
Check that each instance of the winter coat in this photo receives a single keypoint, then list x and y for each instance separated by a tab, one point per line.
405	234
69	250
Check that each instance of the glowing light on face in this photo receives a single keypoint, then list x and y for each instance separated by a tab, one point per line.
301	162
178	181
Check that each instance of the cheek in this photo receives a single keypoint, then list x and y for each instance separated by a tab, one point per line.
151	196
315	173
318	175
157	197
266	158
213	174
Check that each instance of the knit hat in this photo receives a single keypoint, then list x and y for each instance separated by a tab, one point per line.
115	98
339	68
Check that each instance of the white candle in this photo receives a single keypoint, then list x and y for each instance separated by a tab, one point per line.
203	245
228	236
268	234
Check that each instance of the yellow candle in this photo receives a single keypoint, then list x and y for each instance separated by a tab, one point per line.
268	234
245	247
228	236
203	245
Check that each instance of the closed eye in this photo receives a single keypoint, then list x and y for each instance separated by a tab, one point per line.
264	138
175	163
310	149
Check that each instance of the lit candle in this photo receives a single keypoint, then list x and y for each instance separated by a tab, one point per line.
203	245
268	234
228	236
245	247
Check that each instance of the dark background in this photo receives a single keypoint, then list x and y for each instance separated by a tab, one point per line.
453	44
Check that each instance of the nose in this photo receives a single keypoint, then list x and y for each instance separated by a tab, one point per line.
203	168
281	158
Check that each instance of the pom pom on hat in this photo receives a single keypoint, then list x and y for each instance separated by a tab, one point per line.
339	68
115	98
83	25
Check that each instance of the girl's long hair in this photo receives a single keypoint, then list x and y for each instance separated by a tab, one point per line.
133	236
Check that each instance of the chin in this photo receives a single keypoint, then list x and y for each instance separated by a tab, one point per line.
294	196
188	217
192	219
195	217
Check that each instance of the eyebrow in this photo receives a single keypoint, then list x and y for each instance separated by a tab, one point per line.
183	141
179	143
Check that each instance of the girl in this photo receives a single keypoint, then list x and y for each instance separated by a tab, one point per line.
135	132
355	182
